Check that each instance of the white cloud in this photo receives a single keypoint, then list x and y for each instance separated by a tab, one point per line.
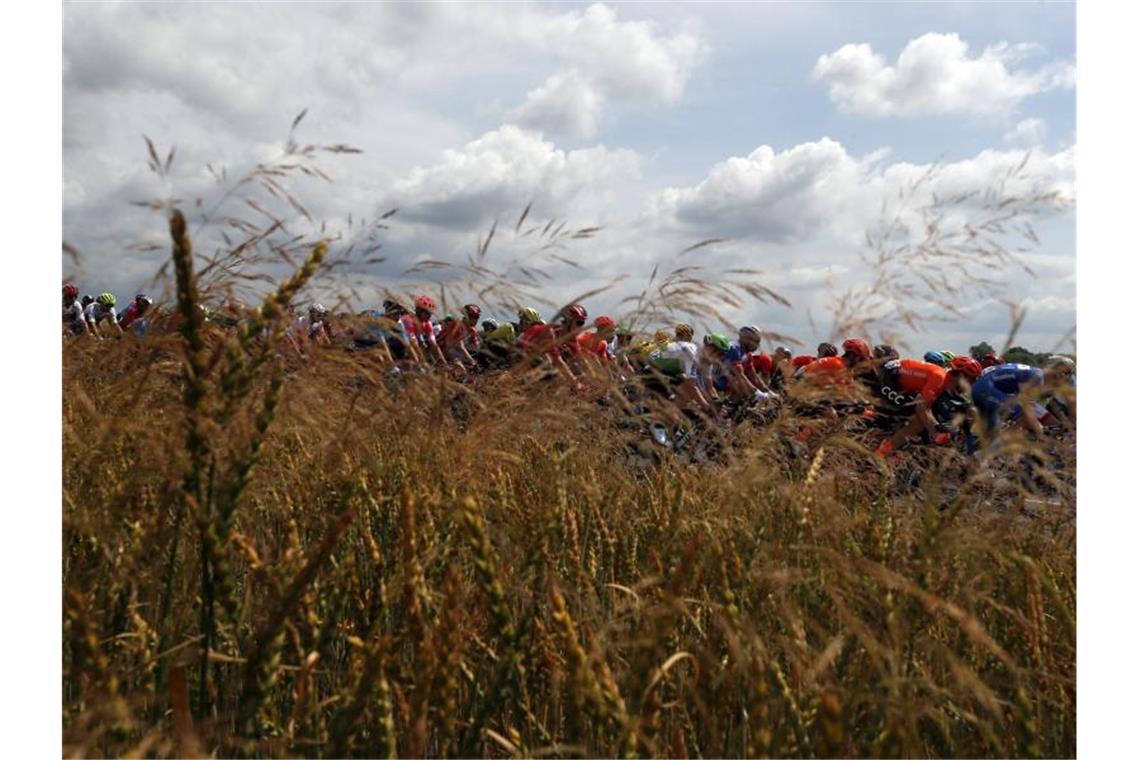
626	58
504	170
936	74
610	59
1027	132
817	189
567	103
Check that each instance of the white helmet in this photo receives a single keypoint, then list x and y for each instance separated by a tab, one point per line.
1060	363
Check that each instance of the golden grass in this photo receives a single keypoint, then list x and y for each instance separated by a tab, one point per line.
344	571
315	559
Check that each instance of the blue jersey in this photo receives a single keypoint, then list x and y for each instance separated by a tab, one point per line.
995	392
1008	379
736	353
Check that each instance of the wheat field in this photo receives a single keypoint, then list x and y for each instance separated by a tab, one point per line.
271	558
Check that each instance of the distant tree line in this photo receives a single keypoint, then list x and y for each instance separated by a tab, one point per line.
1016	354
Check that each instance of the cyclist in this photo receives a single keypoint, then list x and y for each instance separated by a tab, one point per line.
595	349
135	312
102	309
421	333
839	370
557	342
936	358
319	329
742	355
824	350
73	322
929	383
721	373
991	359
622	346
829	380
676	366
596	343
997	392
885	351
1062	402
459	334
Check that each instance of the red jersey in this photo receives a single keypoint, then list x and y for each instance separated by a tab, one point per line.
830	367
927	380
539	339
802	361
762	364
422	332
591	345
130	314
457	332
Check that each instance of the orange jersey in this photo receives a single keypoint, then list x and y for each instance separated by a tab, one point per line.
829	369
546	339
591	345
927	380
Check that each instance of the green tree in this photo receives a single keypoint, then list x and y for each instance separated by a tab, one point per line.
979	351
1025	356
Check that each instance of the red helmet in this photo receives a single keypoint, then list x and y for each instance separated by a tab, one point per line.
426	303
605	322
472	311
967	365
859	347
575	313
71	290
991	359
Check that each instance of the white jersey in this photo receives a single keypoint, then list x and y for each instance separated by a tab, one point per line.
97	312
73	317
678	358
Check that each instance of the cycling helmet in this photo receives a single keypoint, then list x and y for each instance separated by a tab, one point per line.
782	352
859	347
947	355
826	349
967	365
718	341
605	322
575	313
660	337
527	314
884	351
70	291
489	325
390	306
750	331
88	300
991	360
318	309
144	299
683	331
106	299
934	357
472	311
625	331
1062	364
425	303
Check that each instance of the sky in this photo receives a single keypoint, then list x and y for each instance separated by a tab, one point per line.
787	131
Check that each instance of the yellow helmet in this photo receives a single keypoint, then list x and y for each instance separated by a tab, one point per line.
528	314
